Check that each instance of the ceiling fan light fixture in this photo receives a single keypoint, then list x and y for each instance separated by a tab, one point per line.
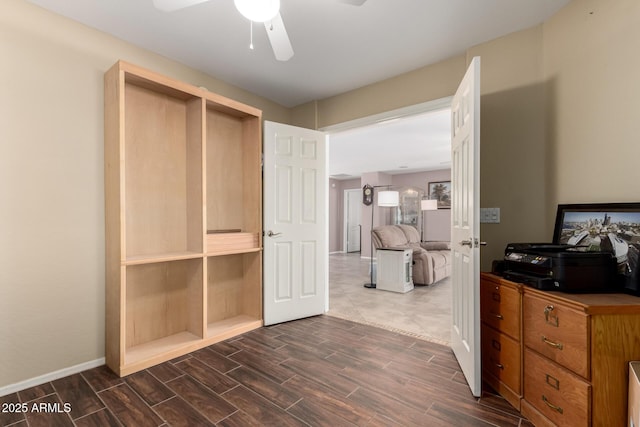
258	10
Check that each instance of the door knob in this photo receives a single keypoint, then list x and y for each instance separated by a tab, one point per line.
467	243
272	234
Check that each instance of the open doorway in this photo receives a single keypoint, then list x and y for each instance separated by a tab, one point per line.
410	148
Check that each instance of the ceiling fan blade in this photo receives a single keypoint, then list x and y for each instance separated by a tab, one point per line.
172	5
353	2
279	38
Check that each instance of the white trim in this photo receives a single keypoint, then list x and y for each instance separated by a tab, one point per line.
345	224
336	252
412	110
51	376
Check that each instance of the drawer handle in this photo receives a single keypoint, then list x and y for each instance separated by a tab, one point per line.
552	320
497	316
557	345
550	405
497	365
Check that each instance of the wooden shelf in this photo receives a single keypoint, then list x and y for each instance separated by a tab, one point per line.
179	160
148	259
148	354
227	328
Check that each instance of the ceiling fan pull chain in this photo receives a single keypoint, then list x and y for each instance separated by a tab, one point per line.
251	35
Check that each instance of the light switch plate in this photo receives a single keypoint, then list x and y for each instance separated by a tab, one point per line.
490	215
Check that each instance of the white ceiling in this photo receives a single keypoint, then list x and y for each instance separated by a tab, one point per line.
412	144
338	47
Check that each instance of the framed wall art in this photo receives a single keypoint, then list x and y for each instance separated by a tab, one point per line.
441	191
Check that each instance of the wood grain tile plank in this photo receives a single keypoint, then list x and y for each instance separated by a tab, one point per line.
320	402
179	413
260	409
274	372
101	378
151	389
454	416
75	391
165	372
36	392
323	373
211	405
393	408
225	348
206	375
13	410
274	392
101	418
256	348
48	411
128	407
215	360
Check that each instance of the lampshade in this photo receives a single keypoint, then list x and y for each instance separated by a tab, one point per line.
388	198
258	10
429	205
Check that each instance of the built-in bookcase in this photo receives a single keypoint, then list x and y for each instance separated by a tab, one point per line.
183	187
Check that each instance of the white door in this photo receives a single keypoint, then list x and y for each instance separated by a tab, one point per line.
465	225
295	223
352	214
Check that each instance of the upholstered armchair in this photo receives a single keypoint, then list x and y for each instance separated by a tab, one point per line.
431	260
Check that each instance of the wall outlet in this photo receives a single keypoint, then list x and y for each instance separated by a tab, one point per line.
490	215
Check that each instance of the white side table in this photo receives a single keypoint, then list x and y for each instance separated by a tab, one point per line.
394	270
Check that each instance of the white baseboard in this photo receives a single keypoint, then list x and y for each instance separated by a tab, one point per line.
336	252
51	376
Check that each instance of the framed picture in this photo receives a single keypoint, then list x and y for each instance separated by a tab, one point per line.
604	227
441	191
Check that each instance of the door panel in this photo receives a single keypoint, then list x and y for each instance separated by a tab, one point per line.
353	205
465	226
296	224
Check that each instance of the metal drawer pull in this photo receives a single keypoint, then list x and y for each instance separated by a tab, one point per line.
552	344
497	316
552	406
552	320
497	365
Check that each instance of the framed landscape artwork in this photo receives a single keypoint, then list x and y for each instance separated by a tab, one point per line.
441	191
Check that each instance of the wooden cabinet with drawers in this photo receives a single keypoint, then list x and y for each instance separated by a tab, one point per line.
577	349
574	352
500	313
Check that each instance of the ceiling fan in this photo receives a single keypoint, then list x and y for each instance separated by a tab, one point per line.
264	11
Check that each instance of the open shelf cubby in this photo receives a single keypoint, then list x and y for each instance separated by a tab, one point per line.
183	201
233	281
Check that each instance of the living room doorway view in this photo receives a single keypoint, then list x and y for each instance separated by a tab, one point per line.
408	151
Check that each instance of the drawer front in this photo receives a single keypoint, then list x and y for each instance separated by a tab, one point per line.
500	307
559	395
501	358
557	332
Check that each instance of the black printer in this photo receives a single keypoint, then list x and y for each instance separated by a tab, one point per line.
561	267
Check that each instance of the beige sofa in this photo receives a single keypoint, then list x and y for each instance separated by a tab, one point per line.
431	260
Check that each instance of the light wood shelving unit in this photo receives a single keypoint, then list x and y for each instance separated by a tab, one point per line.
183	190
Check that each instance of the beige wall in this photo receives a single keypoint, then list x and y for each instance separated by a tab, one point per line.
559	114
51	184
591	70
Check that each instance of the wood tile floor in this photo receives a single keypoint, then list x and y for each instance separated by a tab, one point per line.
320	371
